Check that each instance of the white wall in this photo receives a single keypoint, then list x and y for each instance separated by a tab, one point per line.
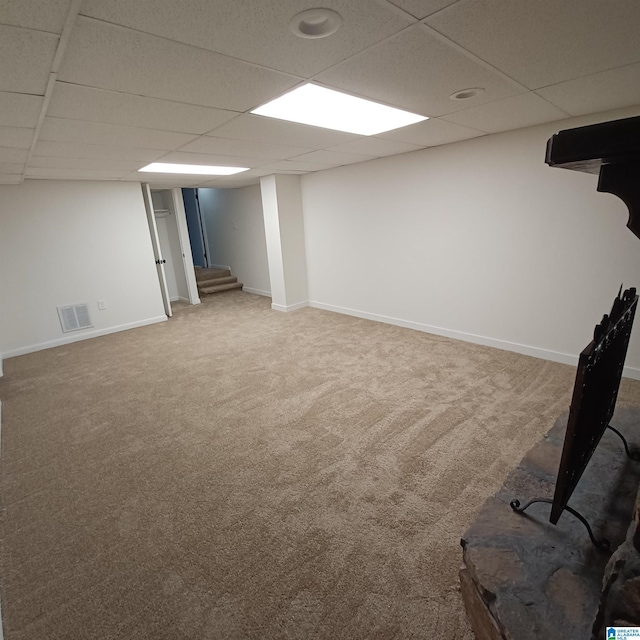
291	217
284	232
234	227
65	243
479	240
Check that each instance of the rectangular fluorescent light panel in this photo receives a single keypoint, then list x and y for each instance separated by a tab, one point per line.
192	169
322	107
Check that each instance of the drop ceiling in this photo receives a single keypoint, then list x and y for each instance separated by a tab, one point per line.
96	89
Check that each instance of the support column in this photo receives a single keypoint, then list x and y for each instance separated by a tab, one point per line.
284	231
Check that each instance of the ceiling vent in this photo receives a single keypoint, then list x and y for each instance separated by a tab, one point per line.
315	23
74	317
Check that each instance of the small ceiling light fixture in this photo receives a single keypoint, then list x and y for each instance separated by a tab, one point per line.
321	107
192	169
465	94
315	23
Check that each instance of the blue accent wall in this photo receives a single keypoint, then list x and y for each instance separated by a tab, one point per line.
193	224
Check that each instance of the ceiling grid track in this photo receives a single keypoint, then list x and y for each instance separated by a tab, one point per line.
65	36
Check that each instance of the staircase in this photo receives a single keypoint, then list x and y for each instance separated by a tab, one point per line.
215	280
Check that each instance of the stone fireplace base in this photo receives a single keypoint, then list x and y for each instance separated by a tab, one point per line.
522	577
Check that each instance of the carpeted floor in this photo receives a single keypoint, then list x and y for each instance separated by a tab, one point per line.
237	472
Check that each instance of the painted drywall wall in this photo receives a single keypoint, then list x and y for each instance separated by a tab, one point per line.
284	232
289	194
65	243
269	194
235	234
478	240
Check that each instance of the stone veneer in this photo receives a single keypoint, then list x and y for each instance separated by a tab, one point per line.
620	600
523	578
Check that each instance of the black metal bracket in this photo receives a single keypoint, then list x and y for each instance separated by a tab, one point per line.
635	455
602	544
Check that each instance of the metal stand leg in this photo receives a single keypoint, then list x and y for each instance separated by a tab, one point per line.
603	543
635	455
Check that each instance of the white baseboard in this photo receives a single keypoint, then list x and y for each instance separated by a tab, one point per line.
219	266
535	352
80	336
291	307
258	292
1	374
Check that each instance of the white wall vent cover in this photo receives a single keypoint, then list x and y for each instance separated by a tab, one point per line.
74	317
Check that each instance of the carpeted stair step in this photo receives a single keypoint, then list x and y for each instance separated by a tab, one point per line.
221	287
212	282
209	274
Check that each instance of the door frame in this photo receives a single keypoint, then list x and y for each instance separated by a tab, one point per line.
185	245
205	237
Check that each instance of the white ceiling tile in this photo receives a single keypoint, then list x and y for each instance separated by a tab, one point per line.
26	59
598	92
19	109
185	184
230	183
17	137
181	157
13	156
61	130
422	8
252	176
109	57
333	157
225	146
43	15
93	164
262	129
11	167
377	147
99	105
415	70
431	133
52	173
545	42
257	31
257	172
523	110
80	150
175	184
295	166
10	179
163	180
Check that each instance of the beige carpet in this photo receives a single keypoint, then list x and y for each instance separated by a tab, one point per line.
241	473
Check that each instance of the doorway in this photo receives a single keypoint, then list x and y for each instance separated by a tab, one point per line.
171	245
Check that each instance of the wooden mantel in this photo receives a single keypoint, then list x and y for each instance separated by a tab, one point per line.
610	149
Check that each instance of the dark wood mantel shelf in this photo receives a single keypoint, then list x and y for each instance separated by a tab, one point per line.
610	149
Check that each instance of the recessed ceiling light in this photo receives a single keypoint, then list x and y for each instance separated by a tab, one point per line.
315	23
192	169
322	107
465	94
